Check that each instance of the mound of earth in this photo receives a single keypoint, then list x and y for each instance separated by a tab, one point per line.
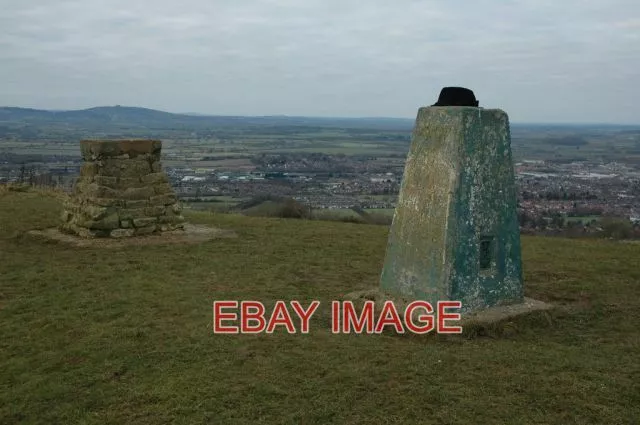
273	206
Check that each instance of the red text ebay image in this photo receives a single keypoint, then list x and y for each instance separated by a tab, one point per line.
251	317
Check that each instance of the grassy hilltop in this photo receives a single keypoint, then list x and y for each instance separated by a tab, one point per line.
98	336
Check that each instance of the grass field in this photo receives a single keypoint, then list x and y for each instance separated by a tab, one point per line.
583	219
214	203
97	336
383	211
335	212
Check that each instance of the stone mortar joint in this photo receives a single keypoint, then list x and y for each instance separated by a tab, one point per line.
121	191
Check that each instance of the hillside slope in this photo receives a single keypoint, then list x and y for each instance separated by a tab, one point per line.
100	336
108	117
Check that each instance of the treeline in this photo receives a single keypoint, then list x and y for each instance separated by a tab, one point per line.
15	158
29	176
558	195
558	224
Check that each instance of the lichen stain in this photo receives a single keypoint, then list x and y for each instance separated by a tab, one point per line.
458	184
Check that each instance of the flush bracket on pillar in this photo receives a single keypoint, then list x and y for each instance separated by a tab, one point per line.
487	253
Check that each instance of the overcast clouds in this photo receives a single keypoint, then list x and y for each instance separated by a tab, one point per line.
540	60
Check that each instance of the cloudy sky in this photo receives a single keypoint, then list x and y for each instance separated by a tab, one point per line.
540	60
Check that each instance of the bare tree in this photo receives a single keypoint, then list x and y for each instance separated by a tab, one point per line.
32	175
22	173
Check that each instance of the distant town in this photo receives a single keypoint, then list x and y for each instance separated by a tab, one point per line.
570	179
551	195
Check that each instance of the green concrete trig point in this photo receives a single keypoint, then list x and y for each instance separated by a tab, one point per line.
455	234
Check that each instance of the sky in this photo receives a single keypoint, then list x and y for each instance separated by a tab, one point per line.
572	61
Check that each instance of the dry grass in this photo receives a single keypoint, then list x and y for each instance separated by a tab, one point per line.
99	336
54	192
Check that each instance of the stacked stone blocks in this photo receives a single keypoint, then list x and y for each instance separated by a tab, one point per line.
122	191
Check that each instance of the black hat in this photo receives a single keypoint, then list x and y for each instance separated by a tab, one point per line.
456	96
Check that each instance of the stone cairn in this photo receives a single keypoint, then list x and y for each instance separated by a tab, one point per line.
121	192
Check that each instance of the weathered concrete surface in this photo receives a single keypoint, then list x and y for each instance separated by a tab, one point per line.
488	316
455	233
499	313
121	192
95	149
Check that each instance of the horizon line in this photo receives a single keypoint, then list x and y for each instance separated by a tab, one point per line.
371	117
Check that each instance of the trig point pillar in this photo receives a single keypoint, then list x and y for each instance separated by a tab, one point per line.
455	234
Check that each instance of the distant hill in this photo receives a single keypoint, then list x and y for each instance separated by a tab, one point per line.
127	121
108	117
